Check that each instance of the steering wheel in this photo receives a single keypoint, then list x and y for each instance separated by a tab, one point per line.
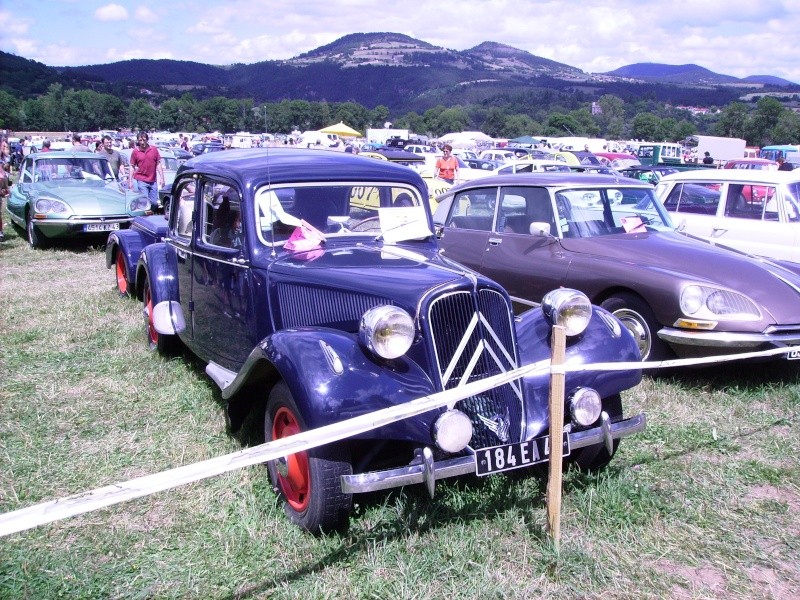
368	224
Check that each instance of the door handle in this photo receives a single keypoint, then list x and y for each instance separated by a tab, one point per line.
495	241
718	231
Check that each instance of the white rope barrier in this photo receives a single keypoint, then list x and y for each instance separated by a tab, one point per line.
76	504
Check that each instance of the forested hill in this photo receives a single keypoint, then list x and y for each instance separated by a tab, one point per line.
387	69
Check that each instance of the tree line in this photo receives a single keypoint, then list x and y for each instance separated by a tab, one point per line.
765	121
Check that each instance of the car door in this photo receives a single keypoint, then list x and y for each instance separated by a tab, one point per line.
221	290
755	220
467	220
523	253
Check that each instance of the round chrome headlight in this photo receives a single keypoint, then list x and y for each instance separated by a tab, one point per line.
568	308
452	431
691	299
387	331
584	406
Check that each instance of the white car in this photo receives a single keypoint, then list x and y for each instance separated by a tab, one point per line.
498	155
754	211
533	165
421	149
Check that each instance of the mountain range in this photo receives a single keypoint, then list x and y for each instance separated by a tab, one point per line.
392	69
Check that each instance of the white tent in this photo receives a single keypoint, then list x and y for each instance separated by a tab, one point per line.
465	139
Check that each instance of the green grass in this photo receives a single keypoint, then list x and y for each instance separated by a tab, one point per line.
705	504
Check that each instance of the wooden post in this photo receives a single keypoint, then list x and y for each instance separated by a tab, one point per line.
558	346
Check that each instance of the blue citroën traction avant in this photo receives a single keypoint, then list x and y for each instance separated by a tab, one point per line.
310	282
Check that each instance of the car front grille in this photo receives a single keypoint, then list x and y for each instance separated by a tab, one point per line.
473	339
303	305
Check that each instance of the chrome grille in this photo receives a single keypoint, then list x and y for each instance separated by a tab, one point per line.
301	305
473	339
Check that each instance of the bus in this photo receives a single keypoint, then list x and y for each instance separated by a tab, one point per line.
782	150
660	153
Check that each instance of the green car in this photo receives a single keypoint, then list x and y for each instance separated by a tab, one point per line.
68	194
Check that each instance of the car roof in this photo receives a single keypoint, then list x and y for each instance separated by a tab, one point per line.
258	166
734	175
557	179
67	154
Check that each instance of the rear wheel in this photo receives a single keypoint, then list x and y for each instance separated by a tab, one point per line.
640	320
308	482
122	274
166	345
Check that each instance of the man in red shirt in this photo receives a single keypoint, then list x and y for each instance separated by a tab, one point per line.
146	169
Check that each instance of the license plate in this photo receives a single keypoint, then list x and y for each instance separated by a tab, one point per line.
101	227
515	456
794	354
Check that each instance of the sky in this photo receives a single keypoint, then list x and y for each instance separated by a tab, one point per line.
730	37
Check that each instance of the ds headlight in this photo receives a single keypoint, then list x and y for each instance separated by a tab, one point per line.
387	331
46	205
703	302
568	308
139	203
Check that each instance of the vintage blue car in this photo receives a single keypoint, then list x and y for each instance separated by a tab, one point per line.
311	284
67	194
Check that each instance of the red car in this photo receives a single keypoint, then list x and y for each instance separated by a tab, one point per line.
761	164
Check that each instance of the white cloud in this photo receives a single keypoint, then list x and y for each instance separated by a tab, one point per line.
111	12
146	15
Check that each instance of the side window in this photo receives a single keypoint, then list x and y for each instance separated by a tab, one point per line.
747	201
26	176
221	213
182	210
474	209
696	198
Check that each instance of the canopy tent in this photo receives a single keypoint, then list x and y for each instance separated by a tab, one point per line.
341	130
465	139
525	139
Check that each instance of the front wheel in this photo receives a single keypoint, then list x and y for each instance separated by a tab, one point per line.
308	482
166	345
35	237
639	319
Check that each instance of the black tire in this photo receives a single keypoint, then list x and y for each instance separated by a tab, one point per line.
595	458
309	483
166	345
35	237
639	319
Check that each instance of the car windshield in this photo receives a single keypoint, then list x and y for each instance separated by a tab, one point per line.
71	168
590	212
389	212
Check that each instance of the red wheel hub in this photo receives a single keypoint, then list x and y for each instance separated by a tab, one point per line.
296	484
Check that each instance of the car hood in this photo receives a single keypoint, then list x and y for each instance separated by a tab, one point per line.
400	274
88	197
774	288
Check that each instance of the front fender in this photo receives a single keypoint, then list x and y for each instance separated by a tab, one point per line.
605	340
332	379
157	263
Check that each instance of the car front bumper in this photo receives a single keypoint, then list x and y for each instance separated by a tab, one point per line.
429	471
53	228
730	341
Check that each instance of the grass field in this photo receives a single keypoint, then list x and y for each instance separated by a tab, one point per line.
705	504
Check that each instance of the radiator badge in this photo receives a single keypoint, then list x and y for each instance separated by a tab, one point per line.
498	425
